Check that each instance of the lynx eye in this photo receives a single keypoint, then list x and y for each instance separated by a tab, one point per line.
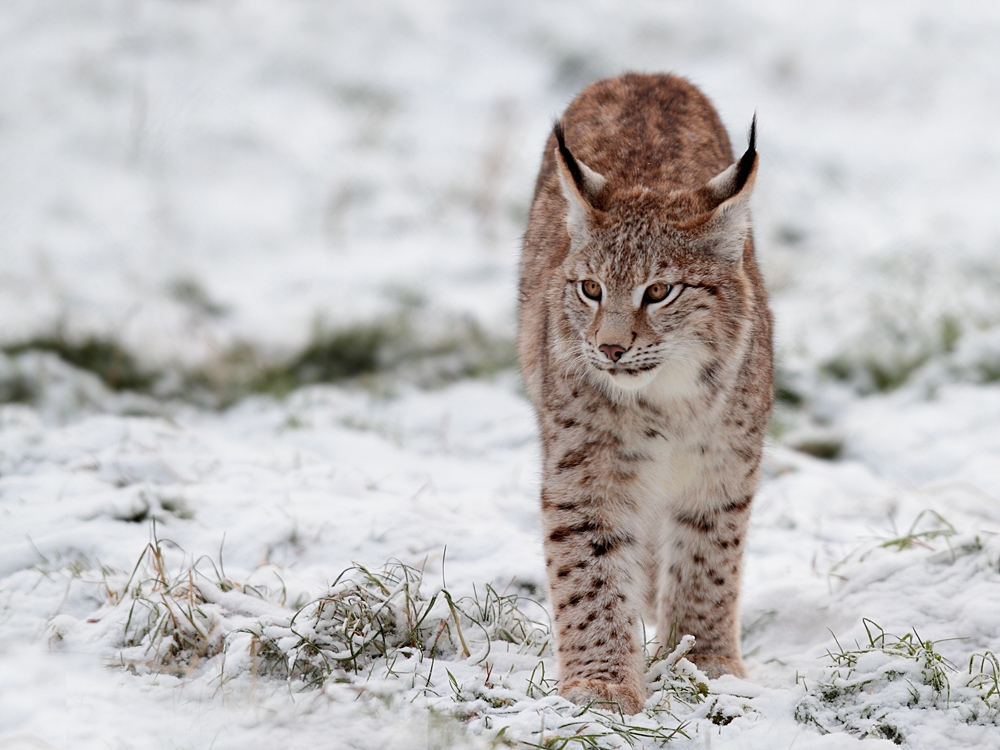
656	293
591	289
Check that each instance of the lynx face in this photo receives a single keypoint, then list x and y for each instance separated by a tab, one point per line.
642	301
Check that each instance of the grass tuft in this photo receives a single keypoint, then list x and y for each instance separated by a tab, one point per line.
984	679
168	627
671	677
875	688
384	615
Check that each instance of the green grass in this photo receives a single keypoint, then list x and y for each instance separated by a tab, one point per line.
829	448
392	347
984	679
117	368
584	734
927	527
889	681
894	347
786	392
914	538
17	389
933	667
399	347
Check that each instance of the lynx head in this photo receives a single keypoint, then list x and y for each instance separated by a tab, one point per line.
654	281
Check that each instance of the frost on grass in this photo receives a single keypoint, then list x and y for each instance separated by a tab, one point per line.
675	684
171	625
885	687
384	635
370	617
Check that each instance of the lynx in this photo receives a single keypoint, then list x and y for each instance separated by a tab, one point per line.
645	343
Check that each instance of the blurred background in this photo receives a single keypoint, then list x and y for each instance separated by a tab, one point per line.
207	198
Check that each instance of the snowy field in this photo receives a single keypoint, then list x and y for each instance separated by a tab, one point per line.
268	478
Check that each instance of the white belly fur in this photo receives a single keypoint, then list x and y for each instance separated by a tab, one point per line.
680	476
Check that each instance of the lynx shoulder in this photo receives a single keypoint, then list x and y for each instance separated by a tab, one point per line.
645	344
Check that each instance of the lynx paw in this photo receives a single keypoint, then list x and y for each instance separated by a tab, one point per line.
716	666
631	698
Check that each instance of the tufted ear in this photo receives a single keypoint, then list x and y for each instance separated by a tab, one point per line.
729	223
580	185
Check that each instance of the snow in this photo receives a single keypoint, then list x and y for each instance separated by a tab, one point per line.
185	177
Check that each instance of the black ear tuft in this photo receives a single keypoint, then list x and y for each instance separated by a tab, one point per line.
568	158
746	161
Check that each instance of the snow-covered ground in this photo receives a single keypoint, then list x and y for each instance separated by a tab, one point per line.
185	179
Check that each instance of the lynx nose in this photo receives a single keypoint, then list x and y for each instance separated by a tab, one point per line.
612	351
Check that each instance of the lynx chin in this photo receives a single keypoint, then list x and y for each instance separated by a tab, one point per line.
645	343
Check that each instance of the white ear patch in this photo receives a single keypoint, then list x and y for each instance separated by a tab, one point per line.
593	181
576	211
580	185
723	185
729	225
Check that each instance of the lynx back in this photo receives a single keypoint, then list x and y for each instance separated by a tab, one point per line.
645	344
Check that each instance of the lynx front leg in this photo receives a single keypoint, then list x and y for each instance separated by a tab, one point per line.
700	584
593	572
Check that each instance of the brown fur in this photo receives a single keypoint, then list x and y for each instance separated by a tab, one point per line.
650	462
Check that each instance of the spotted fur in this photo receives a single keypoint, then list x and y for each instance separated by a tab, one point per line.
652	414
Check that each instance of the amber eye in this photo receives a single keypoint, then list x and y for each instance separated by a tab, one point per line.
656	293
591	289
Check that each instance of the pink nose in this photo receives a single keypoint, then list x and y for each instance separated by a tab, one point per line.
612	351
